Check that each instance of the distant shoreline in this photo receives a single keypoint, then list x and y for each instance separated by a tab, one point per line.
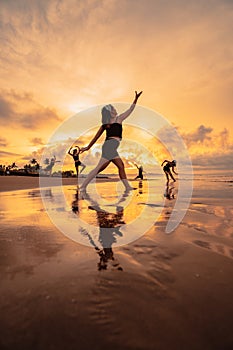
16	183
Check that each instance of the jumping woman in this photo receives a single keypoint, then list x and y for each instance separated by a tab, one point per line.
112	124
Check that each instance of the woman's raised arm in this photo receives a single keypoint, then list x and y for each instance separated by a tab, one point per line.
165	161
69	152
125	115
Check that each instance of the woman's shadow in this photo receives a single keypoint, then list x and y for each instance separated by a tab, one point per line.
109	230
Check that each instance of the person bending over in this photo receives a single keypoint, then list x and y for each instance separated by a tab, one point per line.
167	169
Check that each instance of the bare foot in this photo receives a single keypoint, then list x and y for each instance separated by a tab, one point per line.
83	193
127	189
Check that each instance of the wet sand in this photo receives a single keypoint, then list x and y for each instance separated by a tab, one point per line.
14	183
161	291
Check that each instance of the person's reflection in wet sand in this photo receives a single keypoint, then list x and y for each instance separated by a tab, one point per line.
109	225
75	203
48	193
140	187
169	191
109	230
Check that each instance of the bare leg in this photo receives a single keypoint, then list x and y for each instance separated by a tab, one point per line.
83	167
167	177
121	169
76	170
172	176
103	167
103	162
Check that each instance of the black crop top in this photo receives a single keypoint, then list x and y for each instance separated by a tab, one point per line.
113	130
76	157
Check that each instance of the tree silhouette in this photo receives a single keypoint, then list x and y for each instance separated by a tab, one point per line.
13	165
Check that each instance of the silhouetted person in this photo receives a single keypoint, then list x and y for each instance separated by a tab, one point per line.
169	165
112	124
49	168
140	172
77	162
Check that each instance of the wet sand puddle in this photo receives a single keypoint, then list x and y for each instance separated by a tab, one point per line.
209	221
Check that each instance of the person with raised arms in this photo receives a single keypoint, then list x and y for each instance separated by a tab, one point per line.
112	124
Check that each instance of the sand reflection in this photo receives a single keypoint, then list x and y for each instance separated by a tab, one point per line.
77	215
110	224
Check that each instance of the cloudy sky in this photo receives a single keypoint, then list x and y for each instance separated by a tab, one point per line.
61	57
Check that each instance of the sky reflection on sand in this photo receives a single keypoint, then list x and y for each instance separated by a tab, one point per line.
140	209
207	224
81	217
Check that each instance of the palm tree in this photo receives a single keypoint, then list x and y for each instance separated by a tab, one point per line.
34	161
13	165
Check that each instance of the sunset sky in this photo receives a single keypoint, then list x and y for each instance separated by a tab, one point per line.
61	57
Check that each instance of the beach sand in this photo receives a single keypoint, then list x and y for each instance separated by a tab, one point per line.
161	291
14	183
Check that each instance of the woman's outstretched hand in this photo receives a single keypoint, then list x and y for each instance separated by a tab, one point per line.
137	94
